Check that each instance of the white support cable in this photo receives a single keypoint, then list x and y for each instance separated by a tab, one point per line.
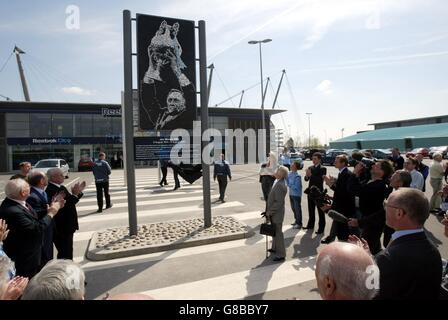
63	78
48	78
225	88
6	62
281	114
296	108
247	89
38	79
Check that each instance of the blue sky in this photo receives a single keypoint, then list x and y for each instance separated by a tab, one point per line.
349	62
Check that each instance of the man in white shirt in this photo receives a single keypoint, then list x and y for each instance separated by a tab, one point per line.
417	178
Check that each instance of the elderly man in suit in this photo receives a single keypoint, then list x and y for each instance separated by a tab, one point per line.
342	272
66	223
24	242
275	211
38	200
411	266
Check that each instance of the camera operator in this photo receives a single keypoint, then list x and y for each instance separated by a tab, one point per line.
343	199
371	197
314	175
364	174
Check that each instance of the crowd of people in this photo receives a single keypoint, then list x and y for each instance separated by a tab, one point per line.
377	199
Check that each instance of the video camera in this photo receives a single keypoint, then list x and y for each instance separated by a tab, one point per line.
358	157
319	197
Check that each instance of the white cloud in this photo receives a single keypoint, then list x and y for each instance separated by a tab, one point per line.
377	62
325	87
78	91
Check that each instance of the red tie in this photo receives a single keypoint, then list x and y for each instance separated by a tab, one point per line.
31	210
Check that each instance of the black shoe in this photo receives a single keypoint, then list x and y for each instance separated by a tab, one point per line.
166	183
109	206
319	232
161	184
271	250
327	240
222	200
308	228
176	187
278	259
99	210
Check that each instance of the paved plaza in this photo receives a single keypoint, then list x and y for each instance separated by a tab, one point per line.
227	270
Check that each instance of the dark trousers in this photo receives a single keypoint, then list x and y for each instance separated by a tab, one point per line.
100	186
164	174
312	215
64	244
47	244
266	185
296	208
176	177
222	182
340	230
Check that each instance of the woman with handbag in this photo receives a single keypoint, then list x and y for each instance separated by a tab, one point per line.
275	212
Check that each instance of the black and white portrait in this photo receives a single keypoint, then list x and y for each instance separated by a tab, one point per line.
166	73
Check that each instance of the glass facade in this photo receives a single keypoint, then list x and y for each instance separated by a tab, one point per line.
59	125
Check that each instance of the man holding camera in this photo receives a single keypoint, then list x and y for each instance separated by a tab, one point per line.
371	197
314	175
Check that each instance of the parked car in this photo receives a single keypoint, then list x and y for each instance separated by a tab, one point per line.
379	153
330	157
296	154
85	164
308	154
413	152
440	149
47	164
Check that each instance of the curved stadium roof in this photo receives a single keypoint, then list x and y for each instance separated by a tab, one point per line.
420	131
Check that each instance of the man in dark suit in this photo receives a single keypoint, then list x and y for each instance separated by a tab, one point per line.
410	267
24	242
343	199
371	197
315	175
66	223
38	200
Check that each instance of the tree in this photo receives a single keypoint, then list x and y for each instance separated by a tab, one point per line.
315	142
290	143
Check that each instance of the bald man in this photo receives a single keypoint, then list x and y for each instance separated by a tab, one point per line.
345	271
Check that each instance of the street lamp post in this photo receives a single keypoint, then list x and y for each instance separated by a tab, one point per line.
259	42
309	129
342	132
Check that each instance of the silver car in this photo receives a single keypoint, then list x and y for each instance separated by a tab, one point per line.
47	164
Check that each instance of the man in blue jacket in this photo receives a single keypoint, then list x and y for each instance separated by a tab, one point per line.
295	194
222	171
101	171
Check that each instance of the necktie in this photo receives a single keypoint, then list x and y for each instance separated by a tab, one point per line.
31	210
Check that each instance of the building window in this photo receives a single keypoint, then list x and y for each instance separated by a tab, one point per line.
40	125
116	126
62	125
17	125
83	125
102	126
